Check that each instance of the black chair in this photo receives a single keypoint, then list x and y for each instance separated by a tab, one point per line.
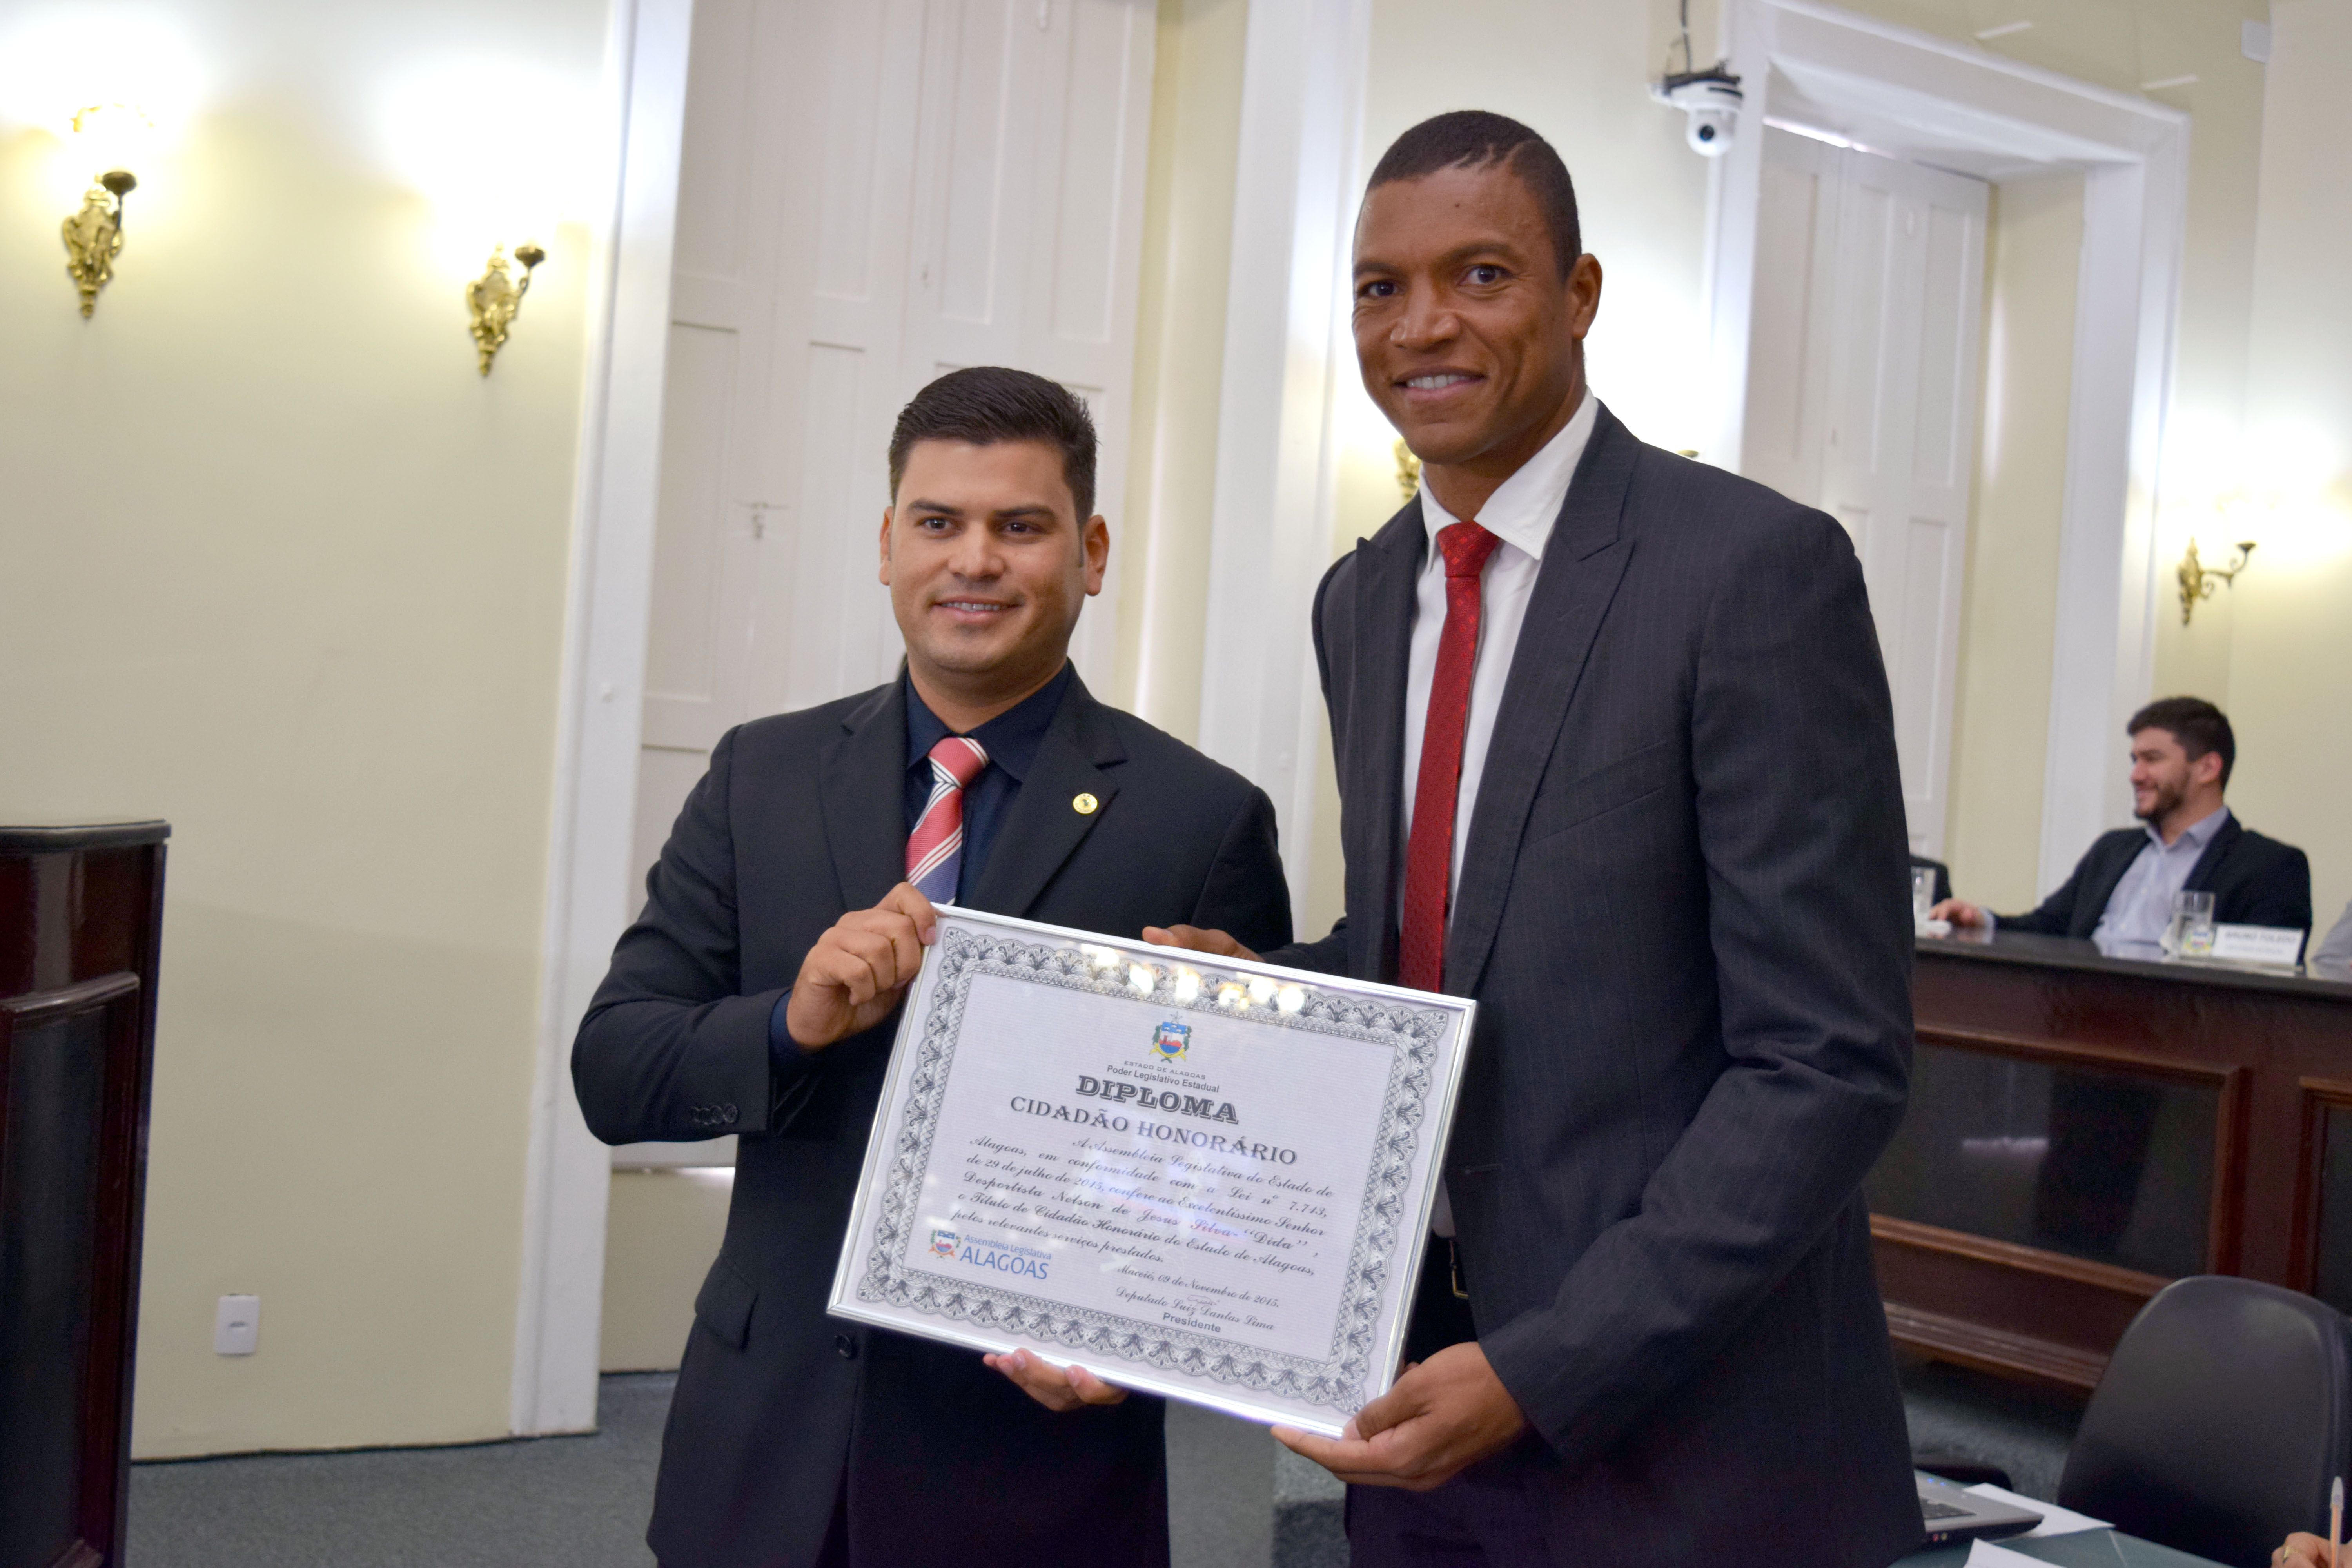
2221	1419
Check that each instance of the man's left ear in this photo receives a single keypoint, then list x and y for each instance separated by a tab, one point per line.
1097	551
2208	774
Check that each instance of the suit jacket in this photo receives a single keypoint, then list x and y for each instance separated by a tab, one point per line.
2254	881
778	1410
1684	911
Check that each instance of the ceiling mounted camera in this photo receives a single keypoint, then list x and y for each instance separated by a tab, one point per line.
1711	97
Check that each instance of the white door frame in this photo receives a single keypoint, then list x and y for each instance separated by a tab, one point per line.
2134	157
559	1305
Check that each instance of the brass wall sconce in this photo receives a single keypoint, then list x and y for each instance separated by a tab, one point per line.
494	299
93	236
2197	579
1408	469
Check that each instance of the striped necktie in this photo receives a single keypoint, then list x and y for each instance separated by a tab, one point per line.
935	849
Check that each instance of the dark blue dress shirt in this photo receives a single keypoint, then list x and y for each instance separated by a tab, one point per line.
1010	741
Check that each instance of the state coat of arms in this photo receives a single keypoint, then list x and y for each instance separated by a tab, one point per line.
1172	1039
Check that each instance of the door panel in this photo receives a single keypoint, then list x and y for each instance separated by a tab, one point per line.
1862	398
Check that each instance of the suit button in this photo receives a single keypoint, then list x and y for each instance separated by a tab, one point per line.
846	1346
726	1114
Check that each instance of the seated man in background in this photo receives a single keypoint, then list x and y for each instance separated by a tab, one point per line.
2120	895
758	994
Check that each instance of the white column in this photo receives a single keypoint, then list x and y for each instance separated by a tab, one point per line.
2103	657
559	1309
1286	346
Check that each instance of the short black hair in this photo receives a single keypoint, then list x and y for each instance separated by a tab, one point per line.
1473	138
2196	724
989	403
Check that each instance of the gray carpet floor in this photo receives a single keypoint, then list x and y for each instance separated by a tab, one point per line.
1236	1498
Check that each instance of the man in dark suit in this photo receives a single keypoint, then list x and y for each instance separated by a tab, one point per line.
1617	759
758	994
2120	896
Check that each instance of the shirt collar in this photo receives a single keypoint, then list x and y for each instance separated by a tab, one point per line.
1011	739
1524	507
2198	834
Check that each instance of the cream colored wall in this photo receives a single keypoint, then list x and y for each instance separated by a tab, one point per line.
277	564
2009	608
661	1231
2290	661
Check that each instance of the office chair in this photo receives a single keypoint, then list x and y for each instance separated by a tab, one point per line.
2223	1417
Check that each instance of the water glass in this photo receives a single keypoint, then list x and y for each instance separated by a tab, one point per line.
1922	892
2191	932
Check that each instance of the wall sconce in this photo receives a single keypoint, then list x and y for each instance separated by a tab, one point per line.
1407	470
498	148
93	236
2197	578
116	89
496	297
109	136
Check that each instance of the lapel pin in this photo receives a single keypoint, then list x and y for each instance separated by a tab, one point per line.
1084	805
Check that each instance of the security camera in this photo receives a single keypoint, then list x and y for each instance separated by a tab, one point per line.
1711	99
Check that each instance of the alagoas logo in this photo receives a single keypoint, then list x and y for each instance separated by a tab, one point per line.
1171	1040
999	1257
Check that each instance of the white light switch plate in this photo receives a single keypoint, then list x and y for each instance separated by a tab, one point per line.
236	1326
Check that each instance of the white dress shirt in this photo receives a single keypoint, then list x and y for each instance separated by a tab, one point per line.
1520	513
2138	910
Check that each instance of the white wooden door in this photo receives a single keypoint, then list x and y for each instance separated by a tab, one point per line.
872	192
1862	400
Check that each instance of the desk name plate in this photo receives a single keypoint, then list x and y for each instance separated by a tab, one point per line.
1197	1177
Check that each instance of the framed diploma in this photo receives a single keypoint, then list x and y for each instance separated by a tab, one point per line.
1201	1178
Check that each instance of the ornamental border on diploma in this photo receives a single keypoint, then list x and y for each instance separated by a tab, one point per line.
1412	1035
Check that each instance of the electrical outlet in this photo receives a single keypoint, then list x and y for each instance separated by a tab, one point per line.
236	1326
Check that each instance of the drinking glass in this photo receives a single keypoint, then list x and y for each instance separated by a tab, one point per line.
2191	932
1922	892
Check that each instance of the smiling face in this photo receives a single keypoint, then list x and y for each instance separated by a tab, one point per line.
987	564
1469	337
2167	784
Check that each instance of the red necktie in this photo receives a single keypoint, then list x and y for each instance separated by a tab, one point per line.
935	849
1429	851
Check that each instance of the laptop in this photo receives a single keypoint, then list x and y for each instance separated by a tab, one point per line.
1951	1513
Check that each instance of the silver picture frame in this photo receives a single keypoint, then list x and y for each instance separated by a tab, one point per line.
881	1281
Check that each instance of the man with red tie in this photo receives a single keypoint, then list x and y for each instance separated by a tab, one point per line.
758	994
1616	757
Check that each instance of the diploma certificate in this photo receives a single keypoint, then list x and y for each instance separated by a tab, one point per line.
1199	1177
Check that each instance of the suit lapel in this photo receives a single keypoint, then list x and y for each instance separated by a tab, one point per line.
1583	562
1388	565
2201	876
1043	828
861	791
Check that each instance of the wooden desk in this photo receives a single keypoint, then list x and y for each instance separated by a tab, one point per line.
2084	1130
82	909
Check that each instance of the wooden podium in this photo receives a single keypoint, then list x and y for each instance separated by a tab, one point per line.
81	910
